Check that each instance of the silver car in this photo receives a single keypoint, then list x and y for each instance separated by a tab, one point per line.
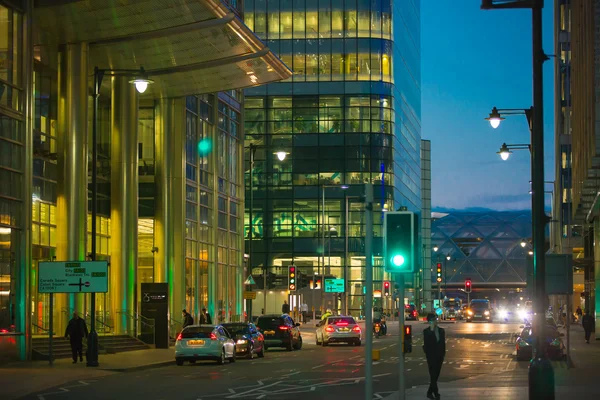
340	329
204	342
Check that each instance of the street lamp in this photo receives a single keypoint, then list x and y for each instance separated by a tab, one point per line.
141	81
281	155
506	149
435	248
495	118
541	375
523	243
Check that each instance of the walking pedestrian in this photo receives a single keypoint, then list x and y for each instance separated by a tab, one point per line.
187	319
579	313
588	325
205	318
75	332
434	346
285	308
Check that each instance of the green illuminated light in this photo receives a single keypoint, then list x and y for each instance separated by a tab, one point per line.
397	260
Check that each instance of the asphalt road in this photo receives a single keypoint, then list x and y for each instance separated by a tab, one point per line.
320	372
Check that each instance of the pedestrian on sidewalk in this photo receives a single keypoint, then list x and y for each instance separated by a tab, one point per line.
434	346
75	332
579	313
187	319
588	325
205	318
285	308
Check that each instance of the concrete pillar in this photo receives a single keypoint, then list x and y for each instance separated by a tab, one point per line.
71	199
169	225
124	203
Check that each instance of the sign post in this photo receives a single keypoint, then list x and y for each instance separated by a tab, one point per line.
74	277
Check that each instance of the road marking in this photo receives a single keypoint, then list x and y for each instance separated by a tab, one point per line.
292	373
408	370
64	389
420	364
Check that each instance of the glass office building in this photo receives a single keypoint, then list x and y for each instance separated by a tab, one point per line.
349	115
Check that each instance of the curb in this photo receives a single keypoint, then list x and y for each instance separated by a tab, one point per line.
140	367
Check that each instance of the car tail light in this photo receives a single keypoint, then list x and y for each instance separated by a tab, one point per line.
213	336
356	329
179	337
415	313
341	323
329	328
284	328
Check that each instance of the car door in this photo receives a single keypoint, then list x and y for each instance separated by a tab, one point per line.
256	338
228	343
294	329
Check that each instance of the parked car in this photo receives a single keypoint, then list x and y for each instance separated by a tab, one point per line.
248	340
204	342
280	331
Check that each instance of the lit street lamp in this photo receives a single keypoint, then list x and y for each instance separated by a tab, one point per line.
541	375
523	243
506	149
495	118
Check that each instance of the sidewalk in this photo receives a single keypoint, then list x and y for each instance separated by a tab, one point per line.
22	378
580	381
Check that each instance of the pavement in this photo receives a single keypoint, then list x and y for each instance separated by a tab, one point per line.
479	363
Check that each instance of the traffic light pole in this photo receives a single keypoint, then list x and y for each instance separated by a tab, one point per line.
369	291
401	365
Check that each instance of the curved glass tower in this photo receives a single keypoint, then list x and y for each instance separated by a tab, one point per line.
349	115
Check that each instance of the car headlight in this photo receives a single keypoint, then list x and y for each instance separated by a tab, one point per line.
487	313
503	314
522	314
470	312
242	341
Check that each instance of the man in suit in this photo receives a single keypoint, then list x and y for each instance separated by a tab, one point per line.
75	332
434	345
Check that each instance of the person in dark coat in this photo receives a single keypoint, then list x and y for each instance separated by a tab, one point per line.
588	325
285	308
75	332
434	346
205	318
187	319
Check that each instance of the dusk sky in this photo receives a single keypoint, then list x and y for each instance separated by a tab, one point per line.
472	60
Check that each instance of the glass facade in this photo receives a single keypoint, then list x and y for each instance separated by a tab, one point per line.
349	115
485	247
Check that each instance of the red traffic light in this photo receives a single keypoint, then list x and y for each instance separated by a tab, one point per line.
468	283
386	284
292	269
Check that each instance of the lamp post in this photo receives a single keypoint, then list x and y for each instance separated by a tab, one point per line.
446	275
141	82
541	375
506	149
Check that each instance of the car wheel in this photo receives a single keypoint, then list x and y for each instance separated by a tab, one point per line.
317	340
250	353
324	343
179	361
298	343
221	359
261	354
232	359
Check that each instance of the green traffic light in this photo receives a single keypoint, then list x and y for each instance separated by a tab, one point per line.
397	260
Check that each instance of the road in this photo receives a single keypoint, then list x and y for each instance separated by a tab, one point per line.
321	372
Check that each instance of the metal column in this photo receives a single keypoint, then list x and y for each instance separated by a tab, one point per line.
124	203
71	202
369	292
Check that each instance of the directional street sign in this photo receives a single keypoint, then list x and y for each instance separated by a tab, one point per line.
73	277
334	286
250	280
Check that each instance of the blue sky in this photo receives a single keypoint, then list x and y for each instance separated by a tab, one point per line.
471	61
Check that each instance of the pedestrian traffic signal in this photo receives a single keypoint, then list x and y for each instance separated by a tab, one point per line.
386	288
439	272
408	338
399	241
468	286
291	278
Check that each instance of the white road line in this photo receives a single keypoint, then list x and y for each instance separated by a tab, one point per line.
420	364
292	373
261	387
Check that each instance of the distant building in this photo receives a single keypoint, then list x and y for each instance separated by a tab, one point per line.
483	246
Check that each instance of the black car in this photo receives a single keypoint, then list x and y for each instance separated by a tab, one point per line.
248	340
410	312
280	331
553	344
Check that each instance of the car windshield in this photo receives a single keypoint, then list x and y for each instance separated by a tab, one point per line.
480	306
238	329
197	332
270	323
341	321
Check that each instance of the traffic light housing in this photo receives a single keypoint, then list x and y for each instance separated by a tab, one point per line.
407	338
399	241
386	288
468	286
439	272
292	278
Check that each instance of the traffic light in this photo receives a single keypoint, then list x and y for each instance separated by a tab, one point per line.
468	285
407	338
439	272
291	278
399	241
386	288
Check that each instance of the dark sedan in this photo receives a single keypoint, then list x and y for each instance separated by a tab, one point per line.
248	340
553	344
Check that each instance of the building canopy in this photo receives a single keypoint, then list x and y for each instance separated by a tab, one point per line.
186	46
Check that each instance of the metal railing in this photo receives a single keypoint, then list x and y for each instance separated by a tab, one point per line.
101	326
175	327
138	326
43	330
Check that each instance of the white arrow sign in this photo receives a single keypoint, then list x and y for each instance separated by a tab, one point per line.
249	280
